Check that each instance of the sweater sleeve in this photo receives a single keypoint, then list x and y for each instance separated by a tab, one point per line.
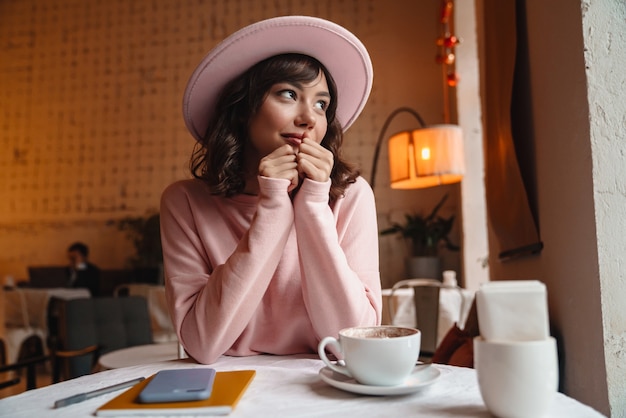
211	305
338	250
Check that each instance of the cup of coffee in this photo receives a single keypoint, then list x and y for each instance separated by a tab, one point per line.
377	355
517	378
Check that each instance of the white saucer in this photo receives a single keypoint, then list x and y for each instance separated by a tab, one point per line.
420	378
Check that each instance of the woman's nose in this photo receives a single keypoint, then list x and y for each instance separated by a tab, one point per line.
305	118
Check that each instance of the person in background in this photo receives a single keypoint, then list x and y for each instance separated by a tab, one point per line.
273	244
81	272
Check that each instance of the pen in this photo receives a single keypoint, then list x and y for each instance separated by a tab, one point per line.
88	395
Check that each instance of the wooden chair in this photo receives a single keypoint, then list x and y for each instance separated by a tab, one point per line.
80	330
31	355
426	301
8	378
21	340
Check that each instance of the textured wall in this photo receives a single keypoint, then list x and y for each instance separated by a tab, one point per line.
90	110
92	90
605	57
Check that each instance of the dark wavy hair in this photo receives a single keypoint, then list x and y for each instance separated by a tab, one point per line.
218	159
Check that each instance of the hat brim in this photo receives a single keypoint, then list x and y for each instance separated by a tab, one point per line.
342	53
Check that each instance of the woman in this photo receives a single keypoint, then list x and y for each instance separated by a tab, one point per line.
273	245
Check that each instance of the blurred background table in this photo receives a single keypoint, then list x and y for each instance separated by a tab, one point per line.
139	354
454	307
26	313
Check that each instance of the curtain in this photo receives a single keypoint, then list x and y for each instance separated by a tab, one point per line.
508	207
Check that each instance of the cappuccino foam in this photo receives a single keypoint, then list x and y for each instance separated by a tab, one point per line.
378	332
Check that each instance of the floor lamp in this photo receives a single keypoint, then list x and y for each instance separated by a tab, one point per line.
425	157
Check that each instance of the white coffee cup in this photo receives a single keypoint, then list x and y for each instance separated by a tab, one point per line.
517	378
377	355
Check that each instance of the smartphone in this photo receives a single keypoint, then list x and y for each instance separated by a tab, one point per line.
178	385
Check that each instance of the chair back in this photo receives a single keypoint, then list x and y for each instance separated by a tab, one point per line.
109	323
31	356
426	297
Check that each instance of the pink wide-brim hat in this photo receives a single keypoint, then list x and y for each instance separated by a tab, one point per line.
342	53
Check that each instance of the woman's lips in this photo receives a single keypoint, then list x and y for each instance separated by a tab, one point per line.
293	139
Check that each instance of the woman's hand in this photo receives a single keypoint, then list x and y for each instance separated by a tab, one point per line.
314	161
281	164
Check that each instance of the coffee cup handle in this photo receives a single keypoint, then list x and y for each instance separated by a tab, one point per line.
333	342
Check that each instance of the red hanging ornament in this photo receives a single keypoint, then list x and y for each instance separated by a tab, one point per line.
452	79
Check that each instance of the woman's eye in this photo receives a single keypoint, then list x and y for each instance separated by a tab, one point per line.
289	94
321	104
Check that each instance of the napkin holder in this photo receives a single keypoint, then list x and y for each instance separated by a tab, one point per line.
513	310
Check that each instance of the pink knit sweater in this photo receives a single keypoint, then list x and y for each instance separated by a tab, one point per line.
262	274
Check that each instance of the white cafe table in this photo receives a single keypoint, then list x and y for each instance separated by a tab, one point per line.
454	307
27	307
139	354
287	386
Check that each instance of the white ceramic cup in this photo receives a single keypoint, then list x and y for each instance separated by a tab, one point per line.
517	378
378	355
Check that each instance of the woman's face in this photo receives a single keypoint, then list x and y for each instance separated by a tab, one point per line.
290	112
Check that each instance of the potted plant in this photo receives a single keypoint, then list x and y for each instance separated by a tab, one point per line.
425	236
145	234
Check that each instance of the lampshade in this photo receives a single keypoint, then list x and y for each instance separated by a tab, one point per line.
426	157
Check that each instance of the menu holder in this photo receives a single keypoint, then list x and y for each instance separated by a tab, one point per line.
228	388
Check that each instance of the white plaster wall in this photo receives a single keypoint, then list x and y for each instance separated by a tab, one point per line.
604	30
473	203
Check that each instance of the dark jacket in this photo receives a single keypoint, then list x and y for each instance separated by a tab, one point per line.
88	278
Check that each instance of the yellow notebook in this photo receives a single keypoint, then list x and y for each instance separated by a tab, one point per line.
228	388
